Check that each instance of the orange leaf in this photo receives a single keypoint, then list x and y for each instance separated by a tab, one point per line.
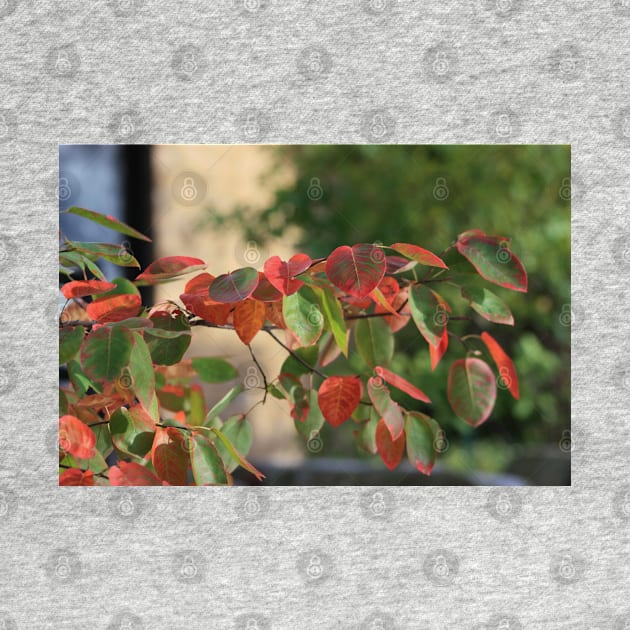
132	474
437	352
402	384
338	397
81	288
249	317
114	308
76	477
390	450
76	438
281	274
170	267
507	371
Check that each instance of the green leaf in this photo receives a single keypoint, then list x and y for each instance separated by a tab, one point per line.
79	380
292	366
167	347
238	431
108	222
96	464
375	341
132	431
488	305
70	339
214	369
235	286
141	371
115	254
493	260
472	390
366	435
314	420
421	432
219	407
303	316
103	440
207	465
236	456
123	287
429	312
105	352
333	316
388	410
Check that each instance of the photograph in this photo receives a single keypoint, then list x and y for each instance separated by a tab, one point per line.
314	315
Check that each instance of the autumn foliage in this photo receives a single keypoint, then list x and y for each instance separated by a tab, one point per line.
132	411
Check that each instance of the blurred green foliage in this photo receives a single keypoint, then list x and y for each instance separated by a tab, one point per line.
427	195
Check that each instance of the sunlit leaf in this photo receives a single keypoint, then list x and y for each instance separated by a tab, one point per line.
419	255
107	221
429	311
76	477
235	286
207	465
76	438
81	288
400	383
105	352
114	309
132	474
132	430
214	369
488	305
303	316
338	397
70	339
169	455
375	340
333	317
421	432
388	410
356	270
282	274
249	317
170	267
390	450
505	366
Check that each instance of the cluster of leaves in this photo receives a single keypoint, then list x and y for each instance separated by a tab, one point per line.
132	415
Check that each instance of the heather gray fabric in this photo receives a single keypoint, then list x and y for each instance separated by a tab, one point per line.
269	71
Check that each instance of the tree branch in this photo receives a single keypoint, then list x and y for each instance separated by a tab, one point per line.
262	372
297	357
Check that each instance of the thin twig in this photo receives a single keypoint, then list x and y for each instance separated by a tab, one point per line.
262	372
297	357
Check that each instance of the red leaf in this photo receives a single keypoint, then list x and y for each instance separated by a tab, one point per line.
282	274
356	270
493	260
437	352
402	384
234	286
81	288
385	406
472	390
76	438
265	291
170	267
507	371
274	314
132	474
169	456
420	255
396	322
76	477
338	397
114	308
390	450
198	302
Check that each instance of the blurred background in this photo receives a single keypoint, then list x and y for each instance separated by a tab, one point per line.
235	206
